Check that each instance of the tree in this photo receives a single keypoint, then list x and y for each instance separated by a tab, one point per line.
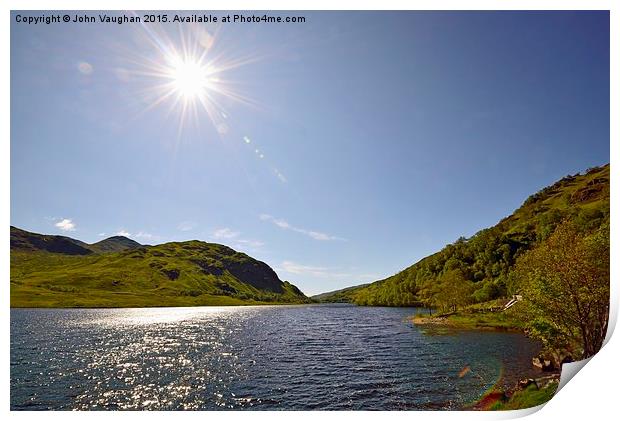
453	290
565	286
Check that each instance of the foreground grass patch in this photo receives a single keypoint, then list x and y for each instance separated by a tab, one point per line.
527	398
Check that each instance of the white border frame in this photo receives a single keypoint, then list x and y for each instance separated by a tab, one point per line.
590	395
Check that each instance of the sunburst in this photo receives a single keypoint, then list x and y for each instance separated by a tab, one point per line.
189	77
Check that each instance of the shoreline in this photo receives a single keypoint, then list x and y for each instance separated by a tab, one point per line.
250	304
528	392
468	321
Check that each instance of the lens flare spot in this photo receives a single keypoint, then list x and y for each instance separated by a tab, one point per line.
464	371
85	68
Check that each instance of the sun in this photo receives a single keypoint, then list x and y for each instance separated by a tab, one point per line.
190	78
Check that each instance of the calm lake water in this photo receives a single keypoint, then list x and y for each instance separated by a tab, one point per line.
276	357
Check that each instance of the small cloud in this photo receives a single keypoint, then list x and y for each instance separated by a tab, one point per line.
144	235
299	269
101	234
186	226
65	225
246	139
123	233
234	240
316	235
224	234
321	236
282	223
251	243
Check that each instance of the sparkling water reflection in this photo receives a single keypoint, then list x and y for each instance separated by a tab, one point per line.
276	357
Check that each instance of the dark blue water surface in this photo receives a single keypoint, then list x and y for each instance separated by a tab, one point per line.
274	357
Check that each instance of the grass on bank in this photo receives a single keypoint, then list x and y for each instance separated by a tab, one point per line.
527	398
474	317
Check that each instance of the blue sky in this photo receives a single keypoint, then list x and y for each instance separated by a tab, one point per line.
339	150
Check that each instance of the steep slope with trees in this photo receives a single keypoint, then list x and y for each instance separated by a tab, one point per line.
480	268
553	252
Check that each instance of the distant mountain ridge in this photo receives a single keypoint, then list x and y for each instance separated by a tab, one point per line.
29	241
114	244
59	271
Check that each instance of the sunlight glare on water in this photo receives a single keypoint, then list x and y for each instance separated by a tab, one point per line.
163	315
267	357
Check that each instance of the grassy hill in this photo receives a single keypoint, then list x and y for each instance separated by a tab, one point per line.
487	259
56	271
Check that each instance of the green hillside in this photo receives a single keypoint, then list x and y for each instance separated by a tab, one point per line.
55	271
485	261
344	295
